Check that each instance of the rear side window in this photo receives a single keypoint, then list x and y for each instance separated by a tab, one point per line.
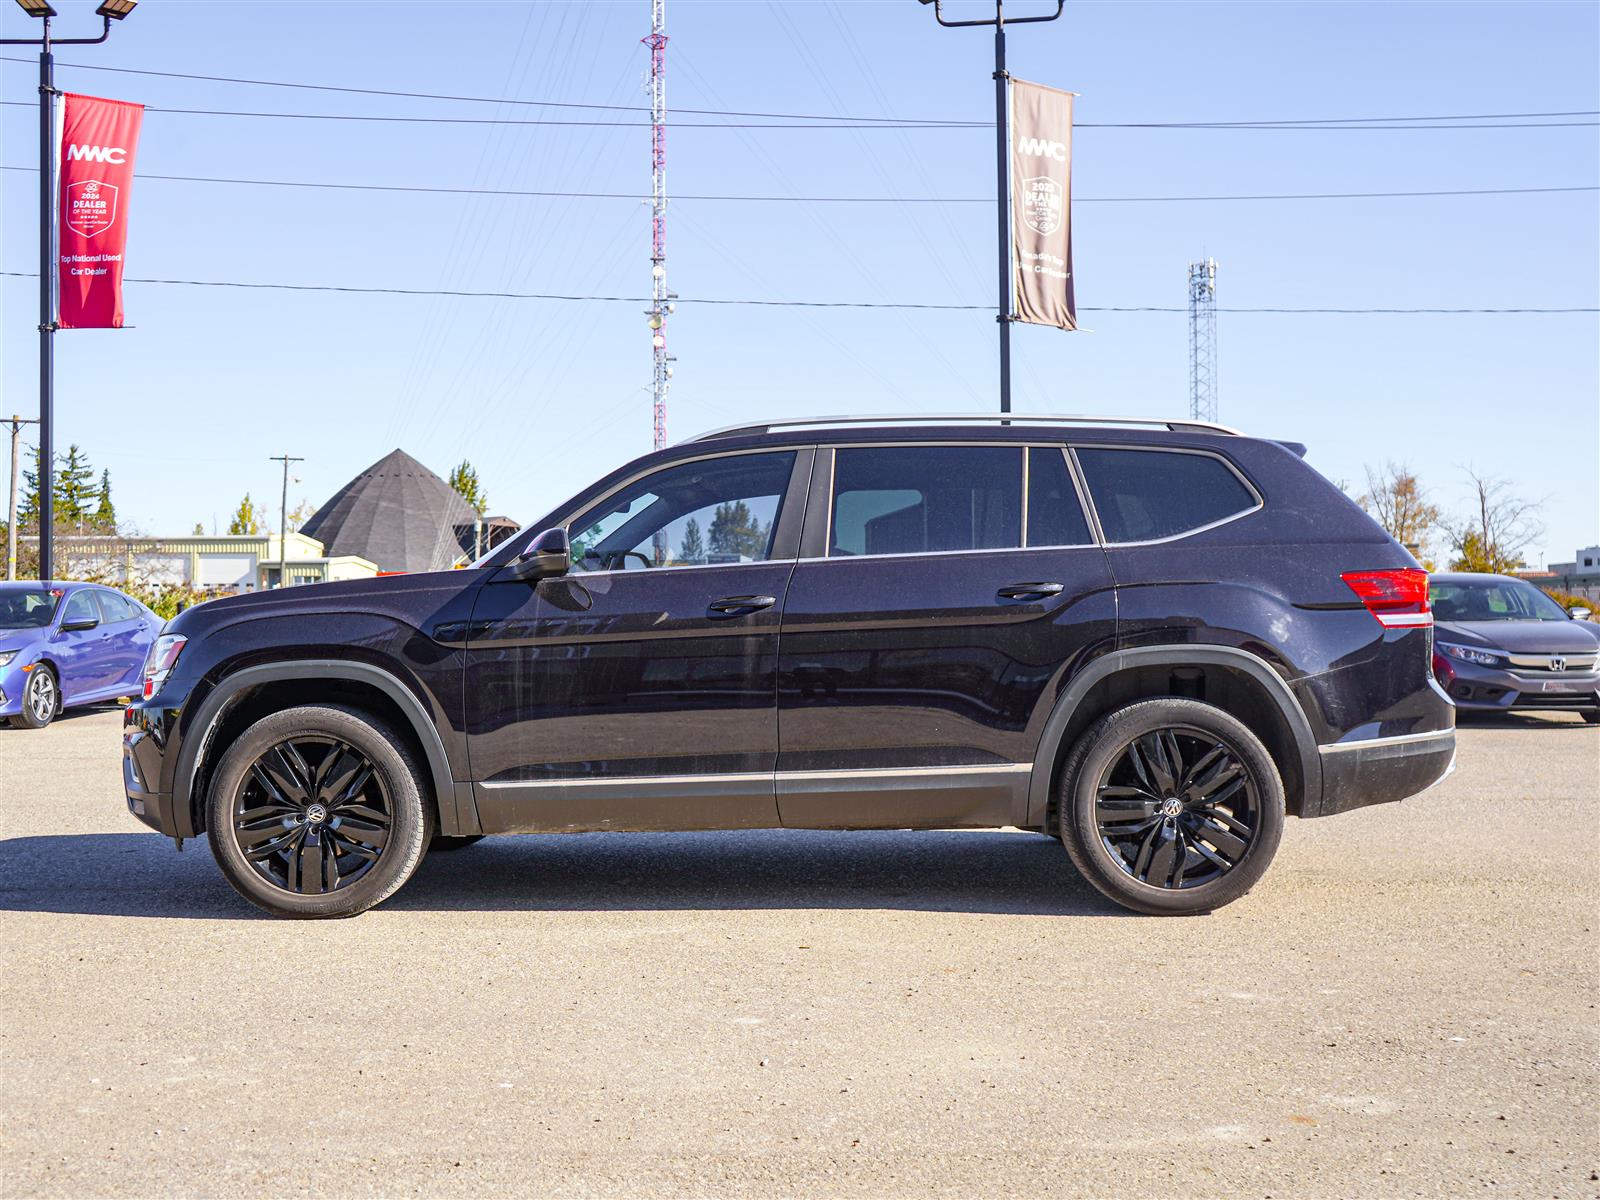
1055	518
1142	495
926	499
114	608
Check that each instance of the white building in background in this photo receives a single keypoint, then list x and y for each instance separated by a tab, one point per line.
207	563
1580	577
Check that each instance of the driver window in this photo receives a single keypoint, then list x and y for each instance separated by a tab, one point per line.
715	510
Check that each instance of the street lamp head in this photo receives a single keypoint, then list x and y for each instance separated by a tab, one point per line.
36	8
115	10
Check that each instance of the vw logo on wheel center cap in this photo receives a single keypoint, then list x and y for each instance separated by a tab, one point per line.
316	814
1171	806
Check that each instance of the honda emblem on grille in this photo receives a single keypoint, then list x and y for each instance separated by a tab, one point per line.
1557	663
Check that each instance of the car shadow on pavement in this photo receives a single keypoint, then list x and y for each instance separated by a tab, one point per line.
140	875
1559	721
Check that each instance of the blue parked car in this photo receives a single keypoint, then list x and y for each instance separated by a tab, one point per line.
64	644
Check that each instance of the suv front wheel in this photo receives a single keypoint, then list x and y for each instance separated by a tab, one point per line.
317	811
1171	807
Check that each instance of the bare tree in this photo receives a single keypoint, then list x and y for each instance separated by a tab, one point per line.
1492	535
1400	504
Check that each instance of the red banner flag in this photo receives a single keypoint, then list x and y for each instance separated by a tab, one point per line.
94	161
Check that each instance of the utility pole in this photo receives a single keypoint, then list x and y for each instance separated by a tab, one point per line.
283	519
110	10
16	477
1203	340
1002	161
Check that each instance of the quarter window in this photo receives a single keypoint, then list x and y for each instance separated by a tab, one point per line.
1142	495
1055	518
716	510
925	499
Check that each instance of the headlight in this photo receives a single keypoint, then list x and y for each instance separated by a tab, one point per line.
1471	654
6	656
163	657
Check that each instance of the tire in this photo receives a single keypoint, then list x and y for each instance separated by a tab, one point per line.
1591	716
318	788
38	710
1171	849
444	842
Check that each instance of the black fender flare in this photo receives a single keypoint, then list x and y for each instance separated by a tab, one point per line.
231	686
1178	655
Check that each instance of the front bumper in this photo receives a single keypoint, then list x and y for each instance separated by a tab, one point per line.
1383	770
1499	689
12	680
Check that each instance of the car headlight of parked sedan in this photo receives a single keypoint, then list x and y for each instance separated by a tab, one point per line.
1471	654
7	655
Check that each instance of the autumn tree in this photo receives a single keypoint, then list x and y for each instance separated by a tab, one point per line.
1400	504
1492	535
464	479
300	514
246	518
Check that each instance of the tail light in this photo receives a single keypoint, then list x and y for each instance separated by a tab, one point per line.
162	658
1397	597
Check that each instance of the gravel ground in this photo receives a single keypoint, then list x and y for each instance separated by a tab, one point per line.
1405	1006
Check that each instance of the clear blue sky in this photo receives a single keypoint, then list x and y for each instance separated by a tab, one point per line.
543	396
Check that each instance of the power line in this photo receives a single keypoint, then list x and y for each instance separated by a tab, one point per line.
640	196
752	303
1323	126
712	112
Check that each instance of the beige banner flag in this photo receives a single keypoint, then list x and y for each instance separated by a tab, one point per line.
1041	206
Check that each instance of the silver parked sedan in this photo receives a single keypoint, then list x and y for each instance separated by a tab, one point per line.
1502	645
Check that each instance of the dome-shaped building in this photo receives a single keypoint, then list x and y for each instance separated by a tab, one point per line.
398	514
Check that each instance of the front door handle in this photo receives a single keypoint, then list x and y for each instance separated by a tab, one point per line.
1029	591
739	606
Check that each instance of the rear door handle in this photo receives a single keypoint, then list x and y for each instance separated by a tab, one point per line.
739	606
1029	591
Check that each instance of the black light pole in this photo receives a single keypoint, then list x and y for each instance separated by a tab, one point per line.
111	10
1002	171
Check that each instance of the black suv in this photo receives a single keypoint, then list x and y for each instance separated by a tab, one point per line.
1152	639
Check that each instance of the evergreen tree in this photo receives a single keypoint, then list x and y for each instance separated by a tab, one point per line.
246	518
691	549
199	529
105	513
75	492
464	479
734	531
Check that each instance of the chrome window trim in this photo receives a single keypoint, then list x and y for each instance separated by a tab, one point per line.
1250	487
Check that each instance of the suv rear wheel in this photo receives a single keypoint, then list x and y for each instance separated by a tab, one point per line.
1171	807
317	811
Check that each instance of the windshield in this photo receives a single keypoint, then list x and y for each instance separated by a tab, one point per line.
1492	600
27	608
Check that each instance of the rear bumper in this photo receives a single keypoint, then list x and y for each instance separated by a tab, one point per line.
1383	770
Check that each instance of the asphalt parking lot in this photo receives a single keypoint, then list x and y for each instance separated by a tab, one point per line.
1406	1006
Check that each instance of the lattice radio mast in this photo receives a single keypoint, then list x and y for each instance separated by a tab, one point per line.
1203	340
661	305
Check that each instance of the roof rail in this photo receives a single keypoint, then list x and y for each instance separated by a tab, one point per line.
961	419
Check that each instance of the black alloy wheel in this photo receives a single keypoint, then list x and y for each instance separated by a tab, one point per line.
312	815
318	811
1171	806
1177	808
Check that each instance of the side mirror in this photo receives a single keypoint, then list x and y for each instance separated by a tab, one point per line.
1579	613
79	625
549	555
